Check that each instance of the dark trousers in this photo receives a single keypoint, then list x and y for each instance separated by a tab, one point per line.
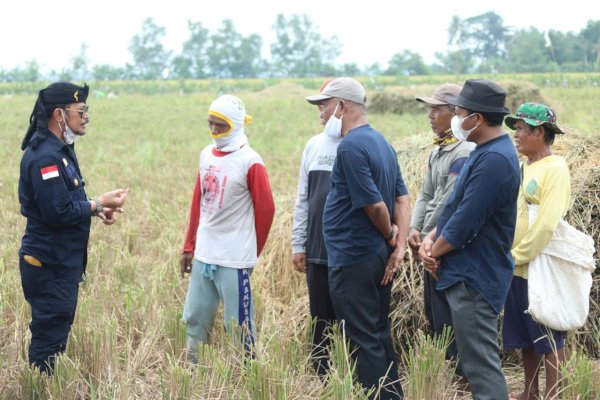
322	313
476	329
362	307
438	315
51	292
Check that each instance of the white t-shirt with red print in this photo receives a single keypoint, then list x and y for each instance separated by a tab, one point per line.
232	208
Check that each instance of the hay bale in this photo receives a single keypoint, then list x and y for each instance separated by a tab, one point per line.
519	92
583	156
407	314
401	100
396	100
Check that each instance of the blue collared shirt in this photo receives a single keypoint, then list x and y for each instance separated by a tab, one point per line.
479	222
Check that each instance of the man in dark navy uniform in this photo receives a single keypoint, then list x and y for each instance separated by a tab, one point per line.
53	252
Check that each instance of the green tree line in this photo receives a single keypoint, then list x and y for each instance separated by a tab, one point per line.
478	44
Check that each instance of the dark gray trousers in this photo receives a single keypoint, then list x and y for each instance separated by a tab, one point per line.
476	333
438	315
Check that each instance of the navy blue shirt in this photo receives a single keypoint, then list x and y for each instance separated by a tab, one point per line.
479	222
365	172
55	204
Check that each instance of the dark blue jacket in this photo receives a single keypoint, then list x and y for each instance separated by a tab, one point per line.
54	202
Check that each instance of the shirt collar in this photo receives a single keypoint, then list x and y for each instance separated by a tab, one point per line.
451	146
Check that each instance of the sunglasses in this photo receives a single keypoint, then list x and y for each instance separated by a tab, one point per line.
218	125
81	111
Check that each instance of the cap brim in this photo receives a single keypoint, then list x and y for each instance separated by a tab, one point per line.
555	128
317	99
431	100
511	121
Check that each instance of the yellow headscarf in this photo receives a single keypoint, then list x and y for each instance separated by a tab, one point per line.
231	109
445	139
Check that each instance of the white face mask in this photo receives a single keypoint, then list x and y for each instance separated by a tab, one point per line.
457	129
232	142
68	135
333	127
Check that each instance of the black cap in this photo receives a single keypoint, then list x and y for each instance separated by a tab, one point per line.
56	94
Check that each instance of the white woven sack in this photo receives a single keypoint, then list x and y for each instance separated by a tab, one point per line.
560	278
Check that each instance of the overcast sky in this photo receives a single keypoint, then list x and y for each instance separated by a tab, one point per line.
370	31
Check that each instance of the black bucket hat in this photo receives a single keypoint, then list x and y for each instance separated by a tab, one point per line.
481	95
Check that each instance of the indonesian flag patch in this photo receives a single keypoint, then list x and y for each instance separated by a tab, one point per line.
49	172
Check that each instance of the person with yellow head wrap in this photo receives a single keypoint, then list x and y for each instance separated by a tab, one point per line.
231	110
230	218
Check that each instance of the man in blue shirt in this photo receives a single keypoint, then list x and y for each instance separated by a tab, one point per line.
53	253
365	227
469	252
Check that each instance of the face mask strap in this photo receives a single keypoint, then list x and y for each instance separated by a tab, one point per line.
475	127
464	119
62	113
335	109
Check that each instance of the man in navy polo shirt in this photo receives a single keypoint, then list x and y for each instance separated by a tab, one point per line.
365	227
470	249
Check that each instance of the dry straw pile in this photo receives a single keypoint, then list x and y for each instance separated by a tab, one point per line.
401	100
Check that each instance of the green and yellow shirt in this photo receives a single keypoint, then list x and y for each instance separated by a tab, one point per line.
547	183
